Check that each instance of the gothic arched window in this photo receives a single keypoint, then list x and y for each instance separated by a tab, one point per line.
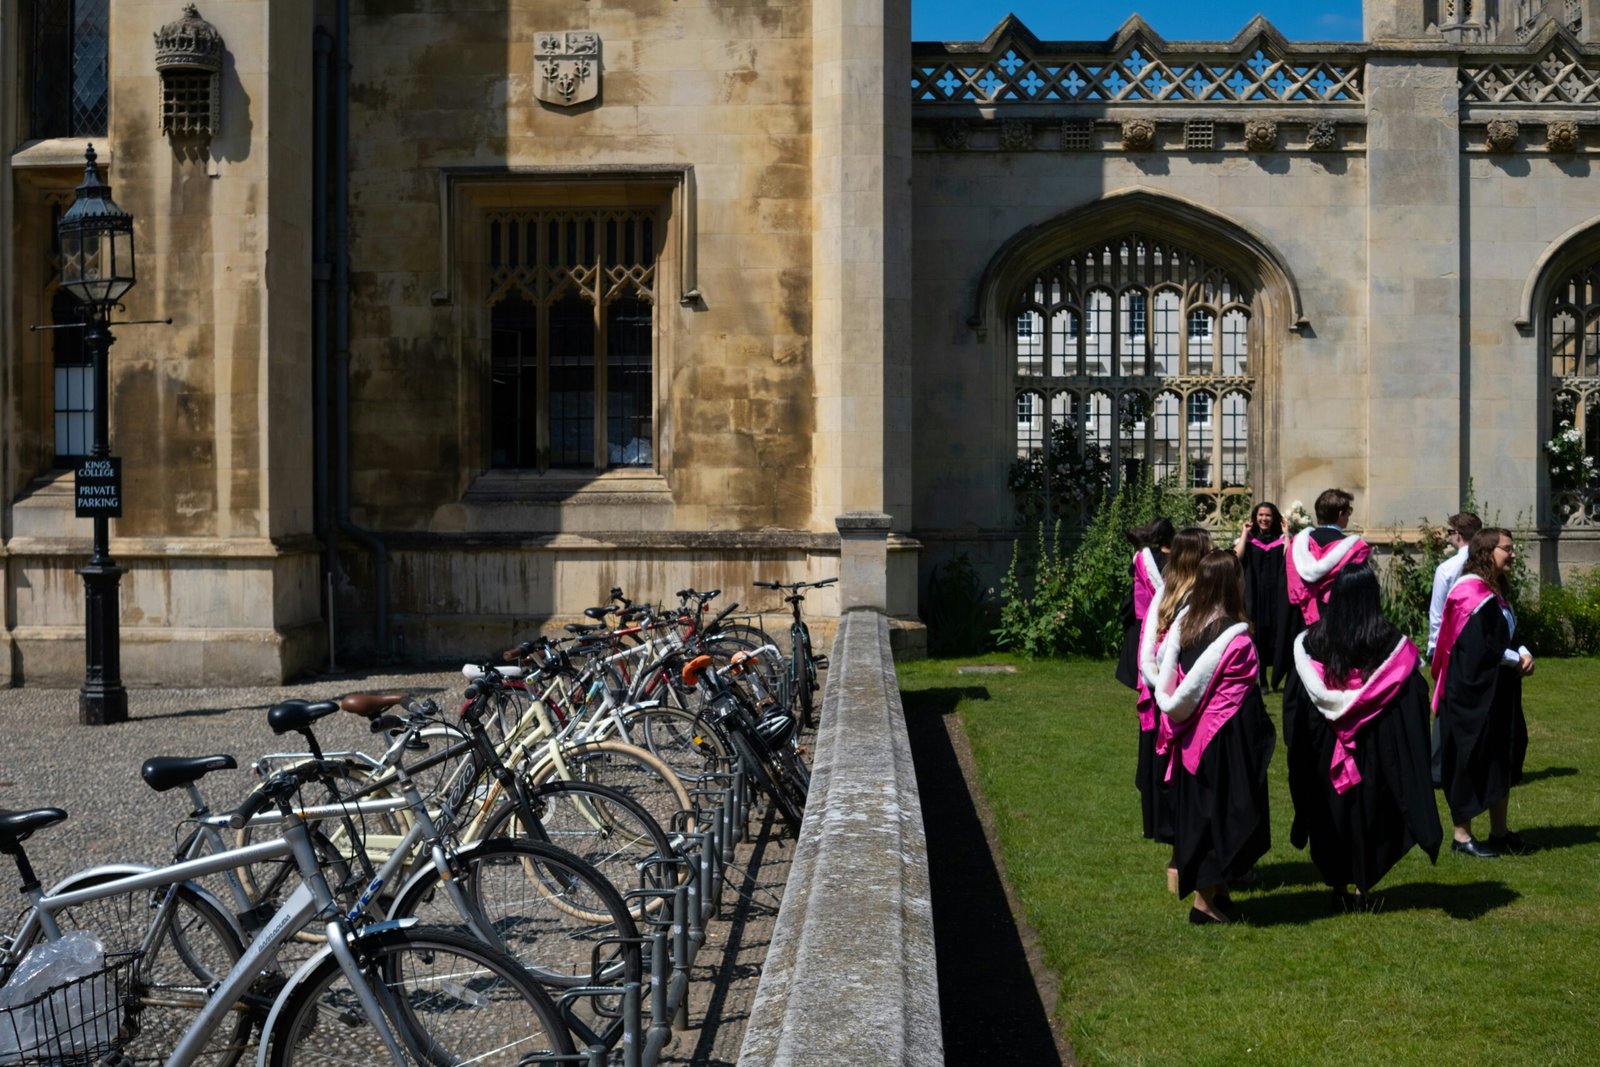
1132	358
1573	449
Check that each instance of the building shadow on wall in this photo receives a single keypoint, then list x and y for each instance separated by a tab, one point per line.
989	1004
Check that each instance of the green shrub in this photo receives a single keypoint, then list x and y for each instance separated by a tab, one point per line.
1054	602
1561	620
1407	586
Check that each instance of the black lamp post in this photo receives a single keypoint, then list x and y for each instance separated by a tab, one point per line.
96	239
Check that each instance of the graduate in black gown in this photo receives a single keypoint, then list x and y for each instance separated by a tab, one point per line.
1151	543
1188	547
1260	549
1478	668
1315	555
1356	734
1218	738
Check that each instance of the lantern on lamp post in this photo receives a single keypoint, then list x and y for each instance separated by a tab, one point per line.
96	242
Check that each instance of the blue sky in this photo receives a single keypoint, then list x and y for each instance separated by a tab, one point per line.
1176	20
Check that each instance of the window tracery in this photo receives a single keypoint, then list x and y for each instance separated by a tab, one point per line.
1573	362
1132	358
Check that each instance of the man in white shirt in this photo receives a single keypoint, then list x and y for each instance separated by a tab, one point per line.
1462	527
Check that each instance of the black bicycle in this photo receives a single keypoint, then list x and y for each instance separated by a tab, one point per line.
803	665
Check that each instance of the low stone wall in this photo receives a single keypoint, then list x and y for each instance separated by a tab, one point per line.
849	976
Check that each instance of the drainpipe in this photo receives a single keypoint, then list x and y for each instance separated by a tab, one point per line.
341	328
322	46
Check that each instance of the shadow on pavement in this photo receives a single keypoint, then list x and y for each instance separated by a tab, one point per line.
989	1004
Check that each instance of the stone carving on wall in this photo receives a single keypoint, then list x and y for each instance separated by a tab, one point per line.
1501	135
566	67
954	134
1138	135
1322	136
189	55
1016	135
1260	135
1262	72
1561	135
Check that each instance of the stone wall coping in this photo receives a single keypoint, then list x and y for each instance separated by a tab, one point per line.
850	973
859	521
125	548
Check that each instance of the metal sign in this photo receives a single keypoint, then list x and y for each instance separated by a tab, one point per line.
99	494
566	67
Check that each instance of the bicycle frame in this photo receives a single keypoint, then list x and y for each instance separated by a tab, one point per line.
310	898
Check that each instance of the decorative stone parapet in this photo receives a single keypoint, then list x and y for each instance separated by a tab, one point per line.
850	974
1322	136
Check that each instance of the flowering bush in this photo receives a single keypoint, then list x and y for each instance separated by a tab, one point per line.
1298	518
1571	467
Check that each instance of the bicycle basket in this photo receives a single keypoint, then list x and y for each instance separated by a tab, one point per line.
73	1024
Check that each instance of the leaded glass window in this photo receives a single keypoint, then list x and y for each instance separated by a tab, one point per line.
572	338
68	58
1572	451
1146	370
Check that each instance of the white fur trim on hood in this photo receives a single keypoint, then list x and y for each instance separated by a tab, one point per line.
1180	699
1333	703
1153	572
1149	666
1311	569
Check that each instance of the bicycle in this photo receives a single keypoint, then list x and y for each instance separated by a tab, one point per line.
393	993
767	745
803	664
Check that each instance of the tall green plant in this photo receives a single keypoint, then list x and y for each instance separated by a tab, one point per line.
1055	602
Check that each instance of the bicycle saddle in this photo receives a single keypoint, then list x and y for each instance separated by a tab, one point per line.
298	714
369	705
162	773
15	826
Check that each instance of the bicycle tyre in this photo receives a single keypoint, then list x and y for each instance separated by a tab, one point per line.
628	768
427	981
539	904
170	984
605	828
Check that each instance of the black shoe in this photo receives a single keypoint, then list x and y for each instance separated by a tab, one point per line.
1511	843
1200	918
1474	848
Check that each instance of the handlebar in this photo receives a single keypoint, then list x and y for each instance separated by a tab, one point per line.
795	586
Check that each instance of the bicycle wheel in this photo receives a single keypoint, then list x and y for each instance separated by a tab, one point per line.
804	670
338	840
187	948
686	742
605	828
628	769
449	999
544	907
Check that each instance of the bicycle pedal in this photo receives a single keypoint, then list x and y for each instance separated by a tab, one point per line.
820	662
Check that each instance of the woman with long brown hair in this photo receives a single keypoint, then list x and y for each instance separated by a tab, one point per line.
1478	669
1218	739
1185	550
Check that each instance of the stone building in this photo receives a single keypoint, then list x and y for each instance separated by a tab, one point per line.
481	308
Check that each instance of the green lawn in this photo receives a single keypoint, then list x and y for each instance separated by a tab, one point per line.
1467	962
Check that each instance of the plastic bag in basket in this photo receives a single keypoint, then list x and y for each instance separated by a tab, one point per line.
43	1015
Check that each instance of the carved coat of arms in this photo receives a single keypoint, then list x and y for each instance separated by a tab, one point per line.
566	67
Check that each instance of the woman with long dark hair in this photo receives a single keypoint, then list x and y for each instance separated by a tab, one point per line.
1260	548
1478	669
1356	732
1188	546
1218	739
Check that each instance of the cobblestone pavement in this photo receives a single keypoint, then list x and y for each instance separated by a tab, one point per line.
48	759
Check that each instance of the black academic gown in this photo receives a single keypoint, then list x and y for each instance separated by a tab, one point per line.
1266	600
1221	816
1357	836
1483	736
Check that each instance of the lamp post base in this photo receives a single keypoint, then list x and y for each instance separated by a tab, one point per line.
102	700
